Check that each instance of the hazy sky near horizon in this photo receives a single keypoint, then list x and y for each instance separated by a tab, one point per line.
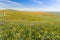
31	5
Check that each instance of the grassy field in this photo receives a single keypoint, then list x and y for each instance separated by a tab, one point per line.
18	25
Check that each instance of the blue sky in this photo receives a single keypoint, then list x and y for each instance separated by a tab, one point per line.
31	5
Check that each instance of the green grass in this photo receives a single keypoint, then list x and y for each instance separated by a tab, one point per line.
17	25
29	31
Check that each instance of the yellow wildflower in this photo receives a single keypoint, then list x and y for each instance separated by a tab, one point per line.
39	36
32	30
53	33
47	36
17	34
45	31
58	36
0	35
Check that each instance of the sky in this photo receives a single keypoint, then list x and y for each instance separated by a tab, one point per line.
31	5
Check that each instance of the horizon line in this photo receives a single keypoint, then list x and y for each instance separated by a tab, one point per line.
29	10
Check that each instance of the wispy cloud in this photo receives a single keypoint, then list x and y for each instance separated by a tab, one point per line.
4	0
1	3
15	3
8	4
37	9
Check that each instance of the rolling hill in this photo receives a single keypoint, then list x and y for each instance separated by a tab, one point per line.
13	15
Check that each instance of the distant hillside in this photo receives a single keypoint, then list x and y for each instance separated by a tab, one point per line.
28	16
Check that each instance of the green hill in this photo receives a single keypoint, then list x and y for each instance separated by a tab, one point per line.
13	15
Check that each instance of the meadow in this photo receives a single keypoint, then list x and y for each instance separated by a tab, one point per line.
19	25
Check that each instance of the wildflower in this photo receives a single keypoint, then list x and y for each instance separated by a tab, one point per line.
5	34
45	31
0	35
14	29
32	30
29	34
47	36
58	36
53	33
7	38
39	36
24	35
17	34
